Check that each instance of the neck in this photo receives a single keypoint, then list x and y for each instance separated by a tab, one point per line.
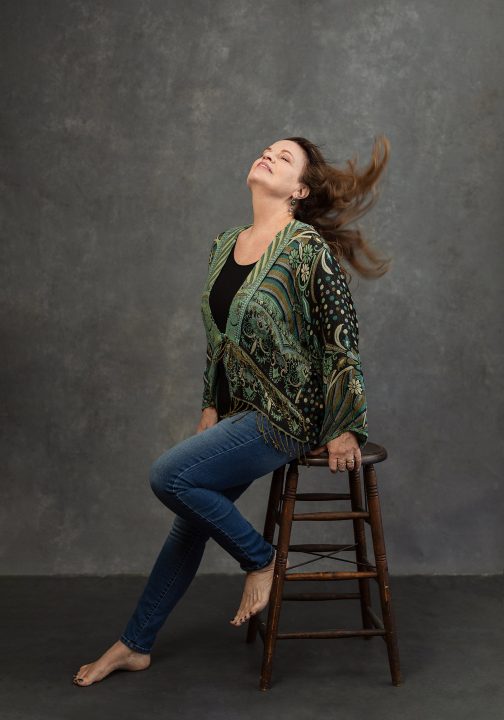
269	216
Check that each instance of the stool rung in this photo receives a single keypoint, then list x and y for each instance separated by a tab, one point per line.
320	634
345	515
323	496
321	596
323	634
338	575
320	547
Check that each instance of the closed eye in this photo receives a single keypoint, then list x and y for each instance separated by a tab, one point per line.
284	157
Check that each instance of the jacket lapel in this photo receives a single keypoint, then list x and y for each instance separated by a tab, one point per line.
251	283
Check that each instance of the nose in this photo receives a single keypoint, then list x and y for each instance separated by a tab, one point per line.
267	156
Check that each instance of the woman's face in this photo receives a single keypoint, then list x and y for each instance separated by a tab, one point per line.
278	169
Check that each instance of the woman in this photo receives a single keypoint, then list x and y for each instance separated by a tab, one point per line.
283	376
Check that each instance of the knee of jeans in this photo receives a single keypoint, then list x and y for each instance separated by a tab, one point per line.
164	477
155	477
158	475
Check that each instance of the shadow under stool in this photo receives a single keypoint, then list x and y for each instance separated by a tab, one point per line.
281	511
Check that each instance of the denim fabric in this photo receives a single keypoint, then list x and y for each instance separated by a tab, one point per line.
199	479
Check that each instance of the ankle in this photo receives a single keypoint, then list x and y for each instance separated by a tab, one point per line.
267	567
127	650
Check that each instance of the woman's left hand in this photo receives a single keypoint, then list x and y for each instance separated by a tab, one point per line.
344	452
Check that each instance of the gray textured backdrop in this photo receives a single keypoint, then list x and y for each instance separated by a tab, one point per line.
128	129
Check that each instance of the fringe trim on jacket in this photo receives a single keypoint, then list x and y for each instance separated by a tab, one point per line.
272	435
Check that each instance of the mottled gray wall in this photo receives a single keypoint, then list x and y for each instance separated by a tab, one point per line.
128	129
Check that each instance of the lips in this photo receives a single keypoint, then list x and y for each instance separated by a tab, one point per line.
263	164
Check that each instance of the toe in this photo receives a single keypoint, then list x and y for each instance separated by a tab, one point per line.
80	675
86	679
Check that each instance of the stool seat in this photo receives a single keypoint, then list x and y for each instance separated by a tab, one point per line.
370	453
281	513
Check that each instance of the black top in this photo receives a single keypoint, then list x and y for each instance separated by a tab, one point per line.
225	287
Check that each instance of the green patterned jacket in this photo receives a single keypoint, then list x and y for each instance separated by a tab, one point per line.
290	349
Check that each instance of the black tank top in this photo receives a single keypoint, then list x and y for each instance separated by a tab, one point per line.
225	287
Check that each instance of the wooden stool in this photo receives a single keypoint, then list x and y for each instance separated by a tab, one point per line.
280	511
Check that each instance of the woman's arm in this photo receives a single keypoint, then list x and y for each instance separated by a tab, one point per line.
333	321
208	400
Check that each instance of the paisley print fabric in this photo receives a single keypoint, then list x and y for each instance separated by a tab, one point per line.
290	347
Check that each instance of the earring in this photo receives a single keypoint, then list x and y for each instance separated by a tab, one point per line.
291	209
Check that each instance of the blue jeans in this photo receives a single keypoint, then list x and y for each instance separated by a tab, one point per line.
199	479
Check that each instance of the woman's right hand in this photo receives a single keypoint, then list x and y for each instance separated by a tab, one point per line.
209	417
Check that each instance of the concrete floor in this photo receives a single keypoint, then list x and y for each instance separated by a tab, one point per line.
451	642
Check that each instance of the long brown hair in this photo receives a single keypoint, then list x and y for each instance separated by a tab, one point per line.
339	196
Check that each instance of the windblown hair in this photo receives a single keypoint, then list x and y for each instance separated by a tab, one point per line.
338	197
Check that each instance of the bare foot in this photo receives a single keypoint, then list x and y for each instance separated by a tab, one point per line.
256	592
118	656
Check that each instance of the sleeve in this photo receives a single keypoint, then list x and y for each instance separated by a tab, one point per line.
333	322
207	400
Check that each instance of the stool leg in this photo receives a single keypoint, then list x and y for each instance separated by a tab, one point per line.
371	487
354	481
275	497
275	602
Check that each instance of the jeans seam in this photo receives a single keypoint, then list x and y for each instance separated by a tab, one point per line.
240	418
222	532
211	457
165	590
